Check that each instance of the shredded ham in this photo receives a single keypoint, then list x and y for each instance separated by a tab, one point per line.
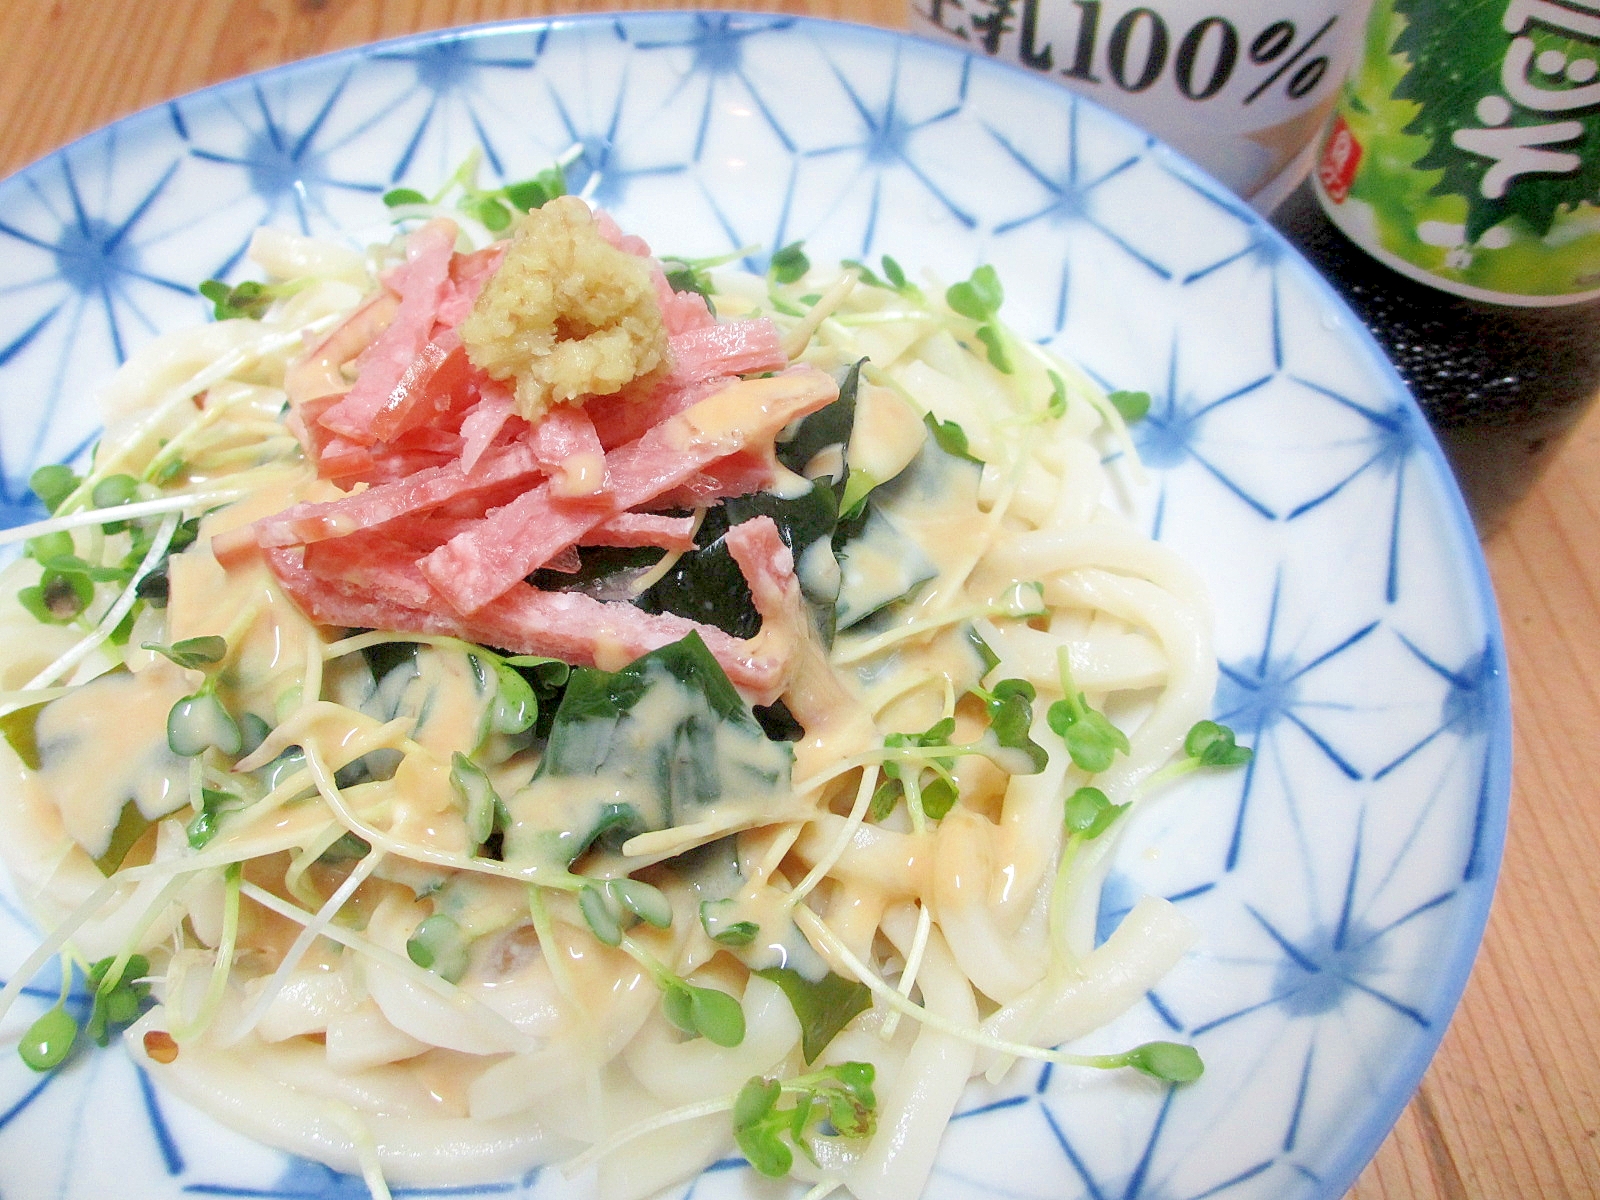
567	625
514	541
422	285
456	500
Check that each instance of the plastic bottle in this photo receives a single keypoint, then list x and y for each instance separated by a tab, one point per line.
1454	206
1240	86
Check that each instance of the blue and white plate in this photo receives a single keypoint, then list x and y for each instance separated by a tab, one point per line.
1341	881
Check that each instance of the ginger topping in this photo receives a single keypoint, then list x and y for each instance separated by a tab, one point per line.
567	314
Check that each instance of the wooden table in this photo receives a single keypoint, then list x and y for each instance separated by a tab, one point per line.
1511	1106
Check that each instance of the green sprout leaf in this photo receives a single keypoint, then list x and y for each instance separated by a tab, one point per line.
1010	707
480	802
702	1012
197	723
1131	406
994	345
1056	407
516	707
643	900
765	1132
894	274
1169	1061
1091	739
205	824
248	300
951	438
493	215
720	919
440	945
117	999
49	1040
978	297
544	187
59	597
605	923
893	278
789	264
53	483
1213	745
193	653
1089	813
397	197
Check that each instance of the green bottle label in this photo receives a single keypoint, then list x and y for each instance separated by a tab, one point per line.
1465	149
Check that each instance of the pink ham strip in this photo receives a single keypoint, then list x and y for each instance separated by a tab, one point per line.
767	565
347	462
643	529
737	475
574	628
625	418
468	274
329	602
566	625
317	372
379	566
730	348
513	541
628	243
680	311
483	421
703	360
427	270
564	432
417	492
427	389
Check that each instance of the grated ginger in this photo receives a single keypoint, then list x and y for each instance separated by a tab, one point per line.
567	314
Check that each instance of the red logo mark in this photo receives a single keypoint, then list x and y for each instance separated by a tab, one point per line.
1341	155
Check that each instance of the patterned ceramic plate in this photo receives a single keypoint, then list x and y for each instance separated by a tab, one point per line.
1341	882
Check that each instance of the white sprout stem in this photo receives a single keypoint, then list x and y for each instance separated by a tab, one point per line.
832	946
772	858
159	506
311	681
208	416
1095	397
891	637
308	934
798	338
152	912
908	977
858	814
544	928
222	965
867	758
673	1116
113	617
885	316
127	878
294	880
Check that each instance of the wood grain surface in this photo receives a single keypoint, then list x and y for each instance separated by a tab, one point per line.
1511	1105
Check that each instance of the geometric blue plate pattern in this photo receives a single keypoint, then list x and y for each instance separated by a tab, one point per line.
1341	881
